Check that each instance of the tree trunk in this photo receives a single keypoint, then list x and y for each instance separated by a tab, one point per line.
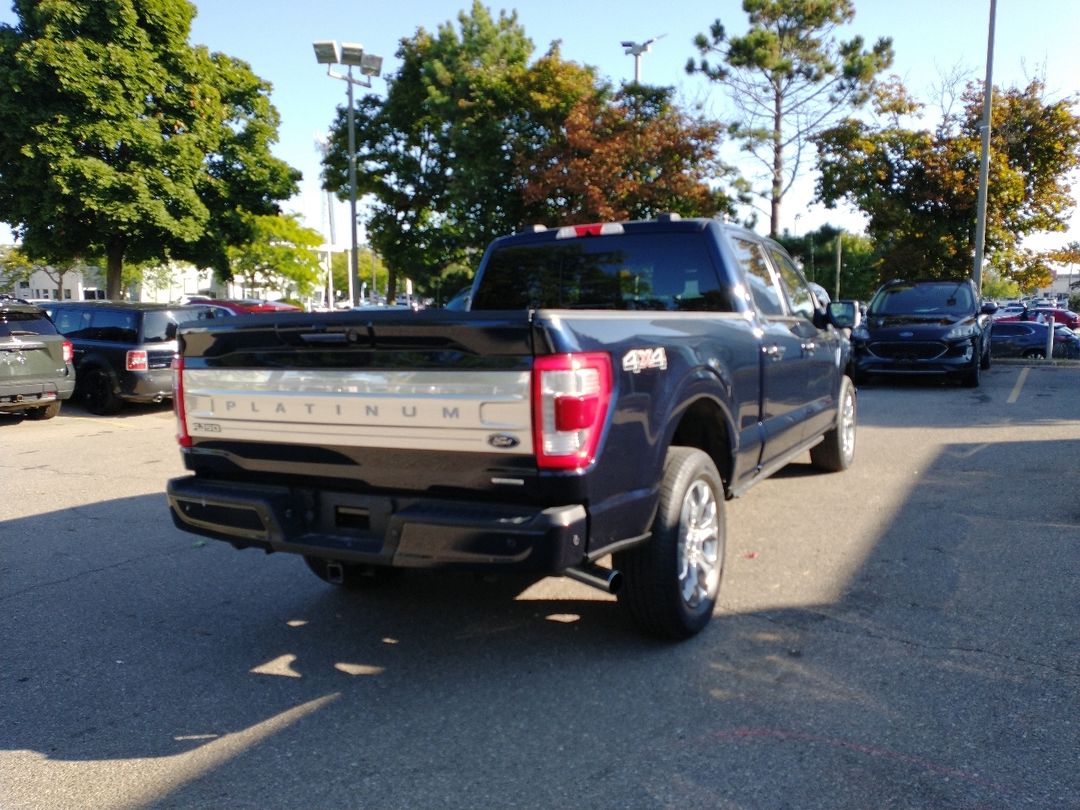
114	266
778	165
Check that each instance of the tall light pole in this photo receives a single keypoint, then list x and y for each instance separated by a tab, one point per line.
350	54
984	161
636	49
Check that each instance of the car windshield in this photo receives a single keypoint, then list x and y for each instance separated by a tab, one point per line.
947	298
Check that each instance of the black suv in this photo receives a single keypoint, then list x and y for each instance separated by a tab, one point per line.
924	327
36	371
123	351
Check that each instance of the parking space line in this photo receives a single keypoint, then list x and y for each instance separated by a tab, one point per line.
1015	395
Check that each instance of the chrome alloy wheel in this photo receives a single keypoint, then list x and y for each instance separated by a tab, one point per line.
700	548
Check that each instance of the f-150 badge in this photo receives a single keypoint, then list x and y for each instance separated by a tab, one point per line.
637	360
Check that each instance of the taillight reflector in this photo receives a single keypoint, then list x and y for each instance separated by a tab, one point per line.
571	394
182	437
137	361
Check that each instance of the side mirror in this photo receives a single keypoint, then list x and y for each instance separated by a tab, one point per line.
989	308
844	314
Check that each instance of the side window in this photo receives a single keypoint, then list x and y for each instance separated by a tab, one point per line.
800	298
759	276
113	326
74	323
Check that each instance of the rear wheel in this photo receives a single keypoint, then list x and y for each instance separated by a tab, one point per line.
670	582
47	412
1035	354
837	449
351	575
95	390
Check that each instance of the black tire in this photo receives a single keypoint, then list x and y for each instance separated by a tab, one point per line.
352	576
47	412
96	392
971	377
670	582
987	360
837	450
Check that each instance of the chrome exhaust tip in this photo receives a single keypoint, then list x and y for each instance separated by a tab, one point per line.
605	579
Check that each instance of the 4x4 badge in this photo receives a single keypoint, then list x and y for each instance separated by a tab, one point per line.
637	360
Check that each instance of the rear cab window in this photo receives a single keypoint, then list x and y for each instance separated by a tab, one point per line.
654	271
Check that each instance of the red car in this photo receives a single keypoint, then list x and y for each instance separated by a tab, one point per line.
241	306
1066	317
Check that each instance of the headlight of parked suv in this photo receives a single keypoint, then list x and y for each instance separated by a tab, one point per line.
960	331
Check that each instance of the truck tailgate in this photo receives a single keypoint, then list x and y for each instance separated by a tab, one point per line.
315	389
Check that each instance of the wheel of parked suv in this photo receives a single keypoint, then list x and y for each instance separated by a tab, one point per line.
987	359
95	391
971	377
47	412
1035	354
837	450
351	575
671	581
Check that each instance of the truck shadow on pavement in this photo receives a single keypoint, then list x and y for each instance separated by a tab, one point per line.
143	668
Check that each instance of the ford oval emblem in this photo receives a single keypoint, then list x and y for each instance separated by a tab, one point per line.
907	334
503	441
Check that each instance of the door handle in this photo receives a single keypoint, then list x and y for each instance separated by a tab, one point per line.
775	352
809	349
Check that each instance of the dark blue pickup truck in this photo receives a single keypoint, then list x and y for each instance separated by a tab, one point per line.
608	388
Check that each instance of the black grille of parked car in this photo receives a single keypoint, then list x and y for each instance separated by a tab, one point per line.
908	351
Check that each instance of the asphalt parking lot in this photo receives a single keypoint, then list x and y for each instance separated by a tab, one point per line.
902	635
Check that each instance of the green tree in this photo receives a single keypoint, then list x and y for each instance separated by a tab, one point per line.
435	155
117	138
281	255
789	78
816	252
919	188
471	142
15	268
997	288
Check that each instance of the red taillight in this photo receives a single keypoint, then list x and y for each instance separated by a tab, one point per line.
182	437
571	394
137	361
69	352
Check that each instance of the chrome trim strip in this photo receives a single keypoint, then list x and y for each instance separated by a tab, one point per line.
433	410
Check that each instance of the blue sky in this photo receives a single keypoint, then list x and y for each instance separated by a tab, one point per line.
930	37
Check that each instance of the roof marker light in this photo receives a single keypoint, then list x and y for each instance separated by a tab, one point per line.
595	229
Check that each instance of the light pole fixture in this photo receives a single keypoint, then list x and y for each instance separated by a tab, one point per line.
351	54
636	49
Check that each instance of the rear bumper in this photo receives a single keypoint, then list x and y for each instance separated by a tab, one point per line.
153	385
22	394
388	530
